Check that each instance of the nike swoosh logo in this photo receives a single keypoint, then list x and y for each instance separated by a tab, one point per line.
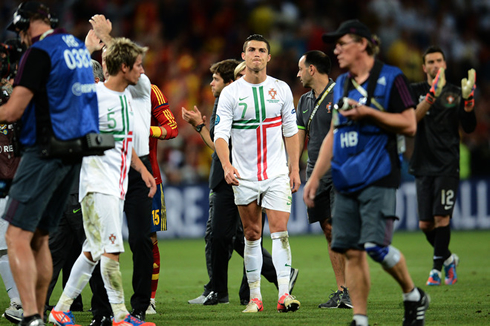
447	207
305	111
241	99
287	265
250	271
111	109
76	210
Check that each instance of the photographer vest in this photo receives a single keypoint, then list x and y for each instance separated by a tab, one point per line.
69	92
360	153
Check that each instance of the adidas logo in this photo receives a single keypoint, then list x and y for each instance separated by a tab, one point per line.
382	81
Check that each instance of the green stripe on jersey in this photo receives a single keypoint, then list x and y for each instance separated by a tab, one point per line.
259	102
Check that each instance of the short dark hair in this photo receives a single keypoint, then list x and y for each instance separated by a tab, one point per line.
225	69
257	37
433	49
320	60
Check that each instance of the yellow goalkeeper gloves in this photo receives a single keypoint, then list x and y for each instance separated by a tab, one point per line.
468	88
437	85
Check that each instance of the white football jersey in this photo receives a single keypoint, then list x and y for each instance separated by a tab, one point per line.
108	174
141	93
256	117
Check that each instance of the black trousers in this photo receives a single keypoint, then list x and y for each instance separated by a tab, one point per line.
66	245
138	214
226	236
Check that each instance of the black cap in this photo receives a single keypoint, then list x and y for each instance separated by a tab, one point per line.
24	12
348	27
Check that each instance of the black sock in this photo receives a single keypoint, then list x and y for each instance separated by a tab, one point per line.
430	236
441	246
27	319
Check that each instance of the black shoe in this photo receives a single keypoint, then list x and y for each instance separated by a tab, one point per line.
101	321
415	310
333	300
34	320
292	279
345	299
353	323
140	314
214	298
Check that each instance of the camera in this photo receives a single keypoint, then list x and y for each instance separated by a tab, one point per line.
10	53
343	104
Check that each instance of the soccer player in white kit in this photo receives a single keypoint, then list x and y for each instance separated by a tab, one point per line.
255	113
103	186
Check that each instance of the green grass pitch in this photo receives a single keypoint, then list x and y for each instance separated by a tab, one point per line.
183	275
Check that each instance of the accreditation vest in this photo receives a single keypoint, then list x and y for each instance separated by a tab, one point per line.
70	90
360	154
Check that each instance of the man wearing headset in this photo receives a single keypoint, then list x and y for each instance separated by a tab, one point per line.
54	96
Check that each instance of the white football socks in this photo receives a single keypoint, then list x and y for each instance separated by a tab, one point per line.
253	259
81	273
111	275
281	258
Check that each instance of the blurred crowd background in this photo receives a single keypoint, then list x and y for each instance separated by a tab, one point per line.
186	36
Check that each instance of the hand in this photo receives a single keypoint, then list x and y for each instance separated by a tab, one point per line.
102	27
356	111
437	85
150	182
231	175
309	192
92	42
294	181
468	85
193	116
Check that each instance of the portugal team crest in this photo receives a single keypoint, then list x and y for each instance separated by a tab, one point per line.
273	93
112	238
450	100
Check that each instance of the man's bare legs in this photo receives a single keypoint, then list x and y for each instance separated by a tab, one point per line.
339	298
336	259
30	261
401	275
358	279
251	217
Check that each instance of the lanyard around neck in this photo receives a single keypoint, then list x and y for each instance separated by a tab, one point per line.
316	108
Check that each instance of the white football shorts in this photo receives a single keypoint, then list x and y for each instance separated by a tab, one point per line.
102	221
273	194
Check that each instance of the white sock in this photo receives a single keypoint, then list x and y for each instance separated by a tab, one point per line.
360	320
253	259
111	275
413	295
281	258
8	279
448	261
81	273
